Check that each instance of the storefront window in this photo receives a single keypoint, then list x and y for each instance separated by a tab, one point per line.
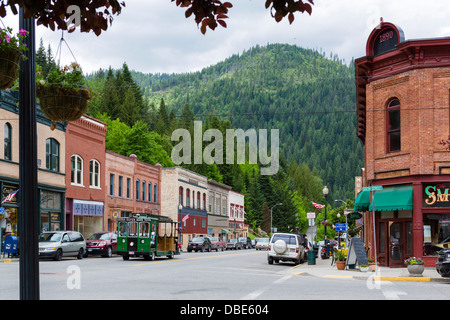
436	232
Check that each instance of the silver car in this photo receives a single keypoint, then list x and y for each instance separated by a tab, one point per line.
56	244
262	244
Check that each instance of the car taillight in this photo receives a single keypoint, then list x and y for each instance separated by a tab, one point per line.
296	250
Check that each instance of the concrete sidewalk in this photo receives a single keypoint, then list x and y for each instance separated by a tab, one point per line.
323	268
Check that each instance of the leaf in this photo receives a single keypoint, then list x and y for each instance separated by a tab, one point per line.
222	23
291	18
188	13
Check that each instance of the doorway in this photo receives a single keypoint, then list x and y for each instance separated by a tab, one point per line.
400	242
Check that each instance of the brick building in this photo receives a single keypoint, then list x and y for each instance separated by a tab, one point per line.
403	91
132	186
85	194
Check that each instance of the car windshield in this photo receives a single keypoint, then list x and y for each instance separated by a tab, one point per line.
50	237
198	240
242	239
213	238
287	238
263	240
232	240
100	236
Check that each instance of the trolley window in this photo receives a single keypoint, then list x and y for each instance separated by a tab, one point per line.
144	228
133	227
122	229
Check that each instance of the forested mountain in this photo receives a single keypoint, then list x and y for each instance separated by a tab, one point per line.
309	97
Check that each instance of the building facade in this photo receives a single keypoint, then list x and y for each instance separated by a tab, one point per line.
218	209
403	100
131	186
184	199
51	168
85	194
236	219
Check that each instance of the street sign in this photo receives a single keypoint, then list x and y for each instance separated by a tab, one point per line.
341	226
373	188
311	215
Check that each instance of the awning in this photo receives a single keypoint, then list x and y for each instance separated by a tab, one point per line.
393	198
362	201
226	231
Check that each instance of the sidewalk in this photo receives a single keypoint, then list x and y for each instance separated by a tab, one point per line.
323	269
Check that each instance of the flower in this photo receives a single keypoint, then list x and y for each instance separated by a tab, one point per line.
10	41
414	260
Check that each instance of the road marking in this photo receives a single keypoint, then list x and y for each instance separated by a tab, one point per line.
193	258
253	295
393	295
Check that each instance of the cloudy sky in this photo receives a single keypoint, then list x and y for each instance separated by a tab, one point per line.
154	36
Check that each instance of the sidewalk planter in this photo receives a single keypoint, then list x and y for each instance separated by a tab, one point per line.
372	267
364	268
415	270
340	265
9	67
415	266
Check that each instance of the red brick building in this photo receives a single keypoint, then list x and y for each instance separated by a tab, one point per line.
85	175
131	186
403	99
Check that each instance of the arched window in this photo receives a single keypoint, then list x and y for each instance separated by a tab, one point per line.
94	174
393	139
137	189
204	201
188	197
180	196
7	140
76	170
52	154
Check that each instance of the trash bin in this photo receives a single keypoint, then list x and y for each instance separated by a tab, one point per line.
311	257
11	245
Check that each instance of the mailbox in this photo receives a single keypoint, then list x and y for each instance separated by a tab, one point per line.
11	245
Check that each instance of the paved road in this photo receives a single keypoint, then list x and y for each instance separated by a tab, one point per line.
229	275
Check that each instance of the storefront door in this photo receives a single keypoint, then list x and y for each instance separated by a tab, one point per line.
396	244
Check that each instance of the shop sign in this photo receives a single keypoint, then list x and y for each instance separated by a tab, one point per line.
87	208
436	195
8	190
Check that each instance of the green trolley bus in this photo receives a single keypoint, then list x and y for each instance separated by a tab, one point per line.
148	236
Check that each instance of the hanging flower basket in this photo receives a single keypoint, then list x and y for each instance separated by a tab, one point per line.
62	97
10	54
9	67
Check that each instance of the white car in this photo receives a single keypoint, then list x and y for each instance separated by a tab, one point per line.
286	247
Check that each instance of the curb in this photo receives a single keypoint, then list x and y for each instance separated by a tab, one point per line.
377	278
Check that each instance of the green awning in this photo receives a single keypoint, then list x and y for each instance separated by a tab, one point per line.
393	198
226	231
362	201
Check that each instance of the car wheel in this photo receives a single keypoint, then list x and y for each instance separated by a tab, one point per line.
126	257
108	253
270	260
80	253
189	250
170	256
298	261
58	255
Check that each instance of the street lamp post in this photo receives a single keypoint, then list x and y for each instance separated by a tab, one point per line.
325	195
278	204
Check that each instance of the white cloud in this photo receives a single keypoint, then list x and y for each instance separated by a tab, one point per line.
154	36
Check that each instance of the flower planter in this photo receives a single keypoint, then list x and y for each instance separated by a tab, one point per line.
62	104
340	265
415	270
372	267
363	269
9	67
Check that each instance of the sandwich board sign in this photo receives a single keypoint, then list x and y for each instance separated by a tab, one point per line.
356	253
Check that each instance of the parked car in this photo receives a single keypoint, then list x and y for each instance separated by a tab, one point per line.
286	247
234	244
58	244
443	263
246	242
262	244
253	243
217	243
199	244
101	243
